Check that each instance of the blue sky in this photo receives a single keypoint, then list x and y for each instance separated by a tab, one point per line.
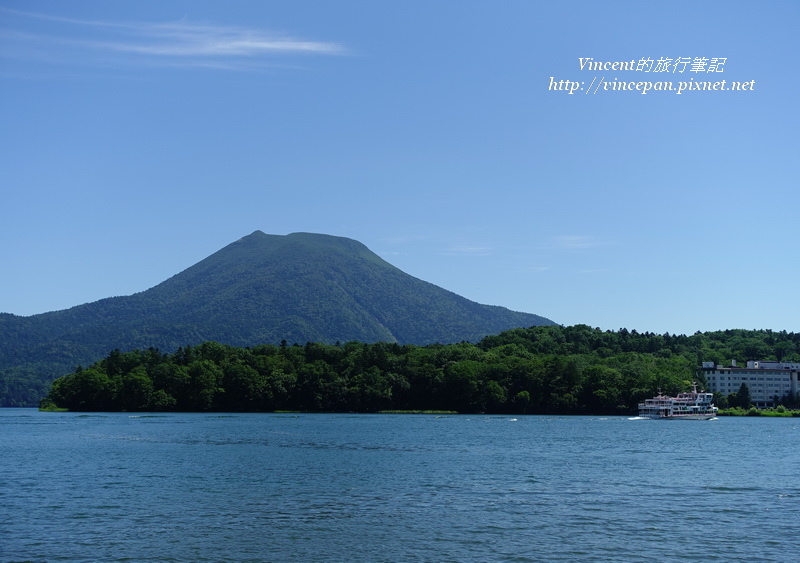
140	137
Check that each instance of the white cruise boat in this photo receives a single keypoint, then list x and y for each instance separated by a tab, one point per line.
686	406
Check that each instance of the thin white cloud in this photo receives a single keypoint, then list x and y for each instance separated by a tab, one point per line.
193	40
574	242
177	43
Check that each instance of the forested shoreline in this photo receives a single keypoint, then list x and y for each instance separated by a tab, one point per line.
538	370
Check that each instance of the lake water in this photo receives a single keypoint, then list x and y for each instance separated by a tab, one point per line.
277	487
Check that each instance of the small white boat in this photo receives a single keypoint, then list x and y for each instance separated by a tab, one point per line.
686	406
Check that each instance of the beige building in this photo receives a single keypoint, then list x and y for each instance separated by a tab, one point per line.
768	382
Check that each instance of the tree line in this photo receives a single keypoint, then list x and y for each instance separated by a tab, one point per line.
538	370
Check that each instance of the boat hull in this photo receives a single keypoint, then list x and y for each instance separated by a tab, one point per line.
680	417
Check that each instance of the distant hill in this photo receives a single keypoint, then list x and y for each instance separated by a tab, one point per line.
260	289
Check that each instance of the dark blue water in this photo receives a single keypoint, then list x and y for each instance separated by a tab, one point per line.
271	487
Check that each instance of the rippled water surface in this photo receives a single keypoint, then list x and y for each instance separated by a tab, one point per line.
273	487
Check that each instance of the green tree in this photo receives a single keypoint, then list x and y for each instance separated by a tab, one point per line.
203	387
162	401
459	386
135	390
521	401
244	387
86	390
491	397
601	390
173	379
371	390
743	396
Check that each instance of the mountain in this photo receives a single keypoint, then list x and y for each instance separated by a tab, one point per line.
262	288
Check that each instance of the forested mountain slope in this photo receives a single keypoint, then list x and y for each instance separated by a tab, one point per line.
261	289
